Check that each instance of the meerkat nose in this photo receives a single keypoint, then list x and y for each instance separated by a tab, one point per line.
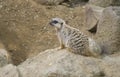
51	23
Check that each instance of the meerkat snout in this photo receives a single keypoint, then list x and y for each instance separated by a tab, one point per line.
53	22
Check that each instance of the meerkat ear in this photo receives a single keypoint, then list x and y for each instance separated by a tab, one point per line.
66	22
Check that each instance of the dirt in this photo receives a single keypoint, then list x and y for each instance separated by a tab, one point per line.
25	30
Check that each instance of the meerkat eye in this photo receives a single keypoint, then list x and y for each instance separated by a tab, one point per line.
55	22
61	23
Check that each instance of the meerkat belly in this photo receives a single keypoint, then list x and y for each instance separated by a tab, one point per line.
62	37
65	35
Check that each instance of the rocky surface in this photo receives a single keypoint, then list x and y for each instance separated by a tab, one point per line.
3	57
105	3
62	63
108	33
53	63
93	14
9	71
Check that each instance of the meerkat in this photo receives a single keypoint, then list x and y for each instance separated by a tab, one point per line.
74	40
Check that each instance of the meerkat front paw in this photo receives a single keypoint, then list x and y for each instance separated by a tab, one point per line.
61	47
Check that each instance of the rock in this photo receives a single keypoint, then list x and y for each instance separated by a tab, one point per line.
49	2
105	3
108	33
62	63
9	71
3	57
93	14
111	66
53	63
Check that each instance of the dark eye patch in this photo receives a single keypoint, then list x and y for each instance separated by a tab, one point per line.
55	22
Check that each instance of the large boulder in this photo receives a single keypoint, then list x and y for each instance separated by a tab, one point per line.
9	71
105	3
108	31
111	66
53	63
62	63
4	57
93	14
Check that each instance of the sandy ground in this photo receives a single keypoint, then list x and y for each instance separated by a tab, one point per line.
25	30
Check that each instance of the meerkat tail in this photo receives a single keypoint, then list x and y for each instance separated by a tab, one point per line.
94	48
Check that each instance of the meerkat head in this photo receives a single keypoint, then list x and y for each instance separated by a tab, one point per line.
57	22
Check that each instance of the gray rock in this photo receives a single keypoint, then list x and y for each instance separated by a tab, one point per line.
111	66
9	71
93	14
108	33
3	57
62	63
105	3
